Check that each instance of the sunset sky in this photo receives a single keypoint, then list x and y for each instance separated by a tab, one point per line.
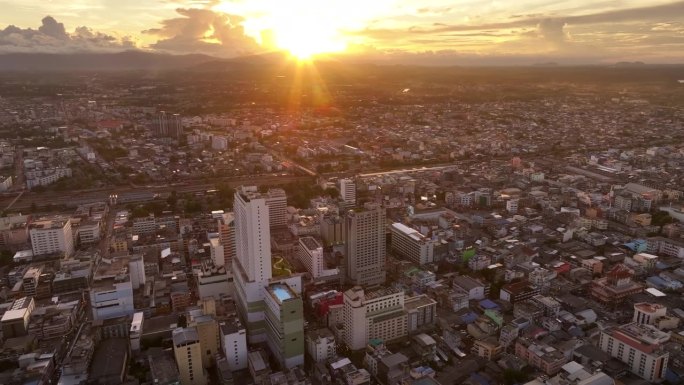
409	31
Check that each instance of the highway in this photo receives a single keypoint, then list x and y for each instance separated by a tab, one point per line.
137	194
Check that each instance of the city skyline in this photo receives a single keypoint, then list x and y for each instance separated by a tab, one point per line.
391	31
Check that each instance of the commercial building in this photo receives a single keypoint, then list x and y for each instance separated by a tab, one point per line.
213	281
188	352
260	299
365	245
208	334
539	355
285	324
226	230
378	314
640	347
51	235
111	292
411	244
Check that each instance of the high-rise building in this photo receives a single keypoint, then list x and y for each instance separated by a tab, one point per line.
365	245
208	334
168	125
188	352
52	235
261	299
226	230
252	238
276	201
348	191
136	268
640	347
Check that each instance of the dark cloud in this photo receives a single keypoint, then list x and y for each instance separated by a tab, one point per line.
203	30
52	37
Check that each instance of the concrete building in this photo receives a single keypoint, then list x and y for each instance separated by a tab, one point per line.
378	314
234	344
348	191
310	253
616	286
208	334
365	245
285	324
276	201
648	313
411	244
213	281
111	292
15	321
226	230
188	352
320	345
640	347
51	235
252	268
539	355
421	313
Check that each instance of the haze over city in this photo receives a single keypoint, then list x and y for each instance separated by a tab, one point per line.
377	192
440	32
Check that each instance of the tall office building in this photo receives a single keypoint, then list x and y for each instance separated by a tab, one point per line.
348	191
638	346
365	245
261	299
188	352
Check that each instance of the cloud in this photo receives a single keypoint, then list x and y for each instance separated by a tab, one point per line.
52	37
203	31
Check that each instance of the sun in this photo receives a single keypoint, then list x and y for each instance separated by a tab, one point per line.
307	39
305	28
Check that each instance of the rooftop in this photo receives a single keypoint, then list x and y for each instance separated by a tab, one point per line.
281	292
310	242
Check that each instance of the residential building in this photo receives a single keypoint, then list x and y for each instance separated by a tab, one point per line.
411	244
640	347
648	313
321	345
188	352
539	355
51	235
348	191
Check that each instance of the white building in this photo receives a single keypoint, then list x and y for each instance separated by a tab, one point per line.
216	251
348	191
310	253
89	232
648	313
234	344
252	270
640	347
52	235
376	314
111	292
136	330
136	268
213	281
411	244
320	345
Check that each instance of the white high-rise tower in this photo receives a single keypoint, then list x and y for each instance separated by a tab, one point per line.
253	238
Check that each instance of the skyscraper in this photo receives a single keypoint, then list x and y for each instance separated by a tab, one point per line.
167	125
188	352
261	299
365	245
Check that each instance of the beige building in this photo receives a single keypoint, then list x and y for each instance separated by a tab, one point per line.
188	352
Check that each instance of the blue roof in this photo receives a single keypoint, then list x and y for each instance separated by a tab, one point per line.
469	317
656	281
488	304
